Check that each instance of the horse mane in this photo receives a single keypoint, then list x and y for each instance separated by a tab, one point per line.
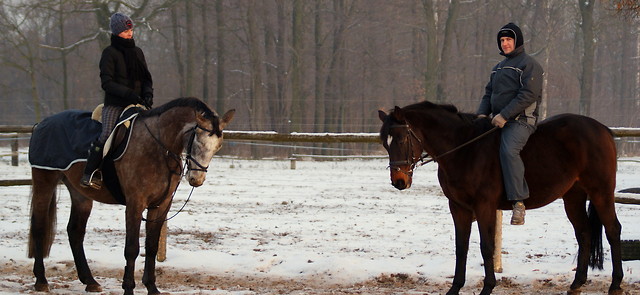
198	105
427	105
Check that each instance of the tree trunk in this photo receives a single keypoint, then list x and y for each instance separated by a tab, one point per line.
177	49
432	65
297	61
319	70
189	49
588	38
206	52
447	49
220	56
255	60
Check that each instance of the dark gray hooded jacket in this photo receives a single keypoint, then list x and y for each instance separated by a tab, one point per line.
515	87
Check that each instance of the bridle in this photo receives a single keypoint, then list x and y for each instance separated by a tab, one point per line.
411	160
188	157
177	158
414	162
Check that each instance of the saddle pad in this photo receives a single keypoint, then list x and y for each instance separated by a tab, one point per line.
62	139
127	118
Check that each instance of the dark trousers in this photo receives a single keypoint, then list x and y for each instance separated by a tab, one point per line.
514	136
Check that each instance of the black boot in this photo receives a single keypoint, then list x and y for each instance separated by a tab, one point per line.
93	163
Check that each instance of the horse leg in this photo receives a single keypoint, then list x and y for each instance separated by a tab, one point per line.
43	220
574	201
132	246
462	219
605	208
156	219
76	229
486	216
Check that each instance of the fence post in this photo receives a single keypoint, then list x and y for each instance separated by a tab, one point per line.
292	166
497	253
162	243
14	151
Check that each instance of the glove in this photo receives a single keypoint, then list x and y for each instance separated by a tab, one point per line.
133	97
147	100
499	121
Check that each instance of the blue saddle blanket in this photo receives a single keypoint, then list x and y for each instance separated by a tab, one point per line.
63	139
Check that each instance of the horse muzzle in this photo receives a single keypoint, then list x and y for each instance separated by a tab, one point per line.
400	179
196	179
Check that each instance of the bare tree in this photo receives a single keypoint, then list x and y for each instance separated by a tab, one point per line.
21	26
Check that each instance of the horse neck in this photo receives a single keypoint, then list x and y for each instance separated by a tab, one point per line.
170	127
441	137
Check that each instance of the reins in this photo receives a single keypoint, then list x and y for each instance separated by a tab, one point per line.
435	159
414	163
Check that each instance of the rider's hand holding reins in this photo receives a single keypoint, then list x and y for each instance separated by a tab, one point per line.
498	121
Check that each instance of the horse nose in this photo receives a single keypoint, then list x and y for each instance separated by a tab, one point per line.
399	184
194	182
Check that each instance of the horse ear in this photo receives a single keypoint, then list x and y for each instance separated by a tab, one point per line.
226	118
398	114
382	115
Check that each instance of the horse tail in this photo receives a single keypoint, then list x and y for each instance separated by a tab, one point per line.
48	229
596	258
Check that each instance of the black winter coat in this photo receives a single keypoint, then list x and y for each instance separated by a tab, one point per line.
119	90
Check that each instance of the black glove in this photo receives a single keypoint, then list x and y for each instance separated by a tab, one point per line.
147	100
133	98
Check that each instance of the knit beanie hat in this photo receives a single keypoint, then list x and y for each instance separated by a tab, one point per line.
513	31
120	23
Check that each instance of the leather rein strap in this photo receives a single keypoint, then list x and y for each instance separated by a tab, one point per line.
414	162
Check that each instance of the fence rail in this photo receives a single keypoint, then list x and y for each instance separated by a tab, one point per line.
307	137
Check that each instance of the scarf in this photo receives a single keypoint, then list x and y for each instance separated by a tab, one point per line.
136	69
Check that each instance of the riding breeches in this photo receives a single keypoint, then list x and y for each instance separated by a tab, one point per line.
514	136
110	116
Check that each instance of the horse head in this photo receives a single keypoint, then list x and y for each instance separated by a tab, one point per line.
204	140
403	145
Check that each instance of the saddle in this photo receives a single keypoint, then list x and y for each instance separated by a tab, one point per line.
115	147
119	138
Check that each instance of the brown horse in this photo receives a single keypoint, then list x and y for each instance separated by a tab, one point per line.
569	156
149	173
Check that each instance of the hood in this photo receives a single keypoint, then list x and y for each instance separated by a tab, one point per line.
513	31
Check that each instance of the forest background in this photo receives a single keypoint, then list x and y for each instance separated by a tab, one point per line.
321	66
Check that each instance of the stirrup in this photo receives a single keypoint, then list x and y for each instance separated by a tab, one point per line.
93	180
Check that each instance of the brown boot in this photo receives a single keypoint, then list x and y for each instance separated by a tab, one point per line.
518	213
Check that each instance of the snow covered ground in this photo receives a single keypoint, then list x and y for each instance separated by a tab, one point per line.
331	222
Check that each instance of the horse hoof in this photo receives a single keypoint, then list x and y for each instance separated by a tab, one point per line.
93	288
616	292
574	292
42	287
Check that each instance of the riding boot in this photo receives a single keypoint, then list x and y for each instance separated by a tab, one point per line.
518	213
93	163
